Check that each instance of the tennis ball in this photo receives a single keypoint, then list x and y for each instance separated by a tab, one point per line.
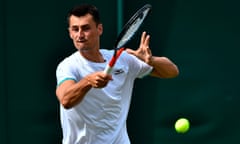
182	125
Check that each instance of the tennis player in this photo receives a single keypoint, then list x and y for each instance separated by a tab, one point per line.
94	105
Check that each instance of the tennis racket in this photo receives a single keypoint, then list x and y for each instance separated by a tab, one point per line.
128	31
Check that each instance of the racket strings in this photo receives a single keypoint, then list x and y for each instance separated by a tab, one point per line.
132	28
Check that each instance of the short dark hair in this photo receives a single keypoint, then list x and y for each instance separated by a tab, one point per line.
82	10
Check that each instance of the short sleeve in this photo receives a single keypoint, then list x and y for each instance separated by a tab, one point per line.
65	71
137	67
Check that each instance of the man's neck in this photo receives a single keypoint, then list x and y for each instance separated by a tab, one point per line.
94	56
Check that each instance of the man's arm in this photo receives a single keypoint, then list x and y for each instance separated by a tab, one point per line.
70	93
163	67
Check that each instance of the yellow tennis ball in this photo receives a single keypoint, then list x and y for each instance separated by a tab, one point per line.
182	125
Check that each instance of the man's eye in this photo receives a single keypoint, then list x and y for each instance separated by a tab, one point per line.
75	29
86	28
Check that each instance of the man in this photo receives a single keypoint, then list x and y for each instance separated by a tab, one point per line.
95	105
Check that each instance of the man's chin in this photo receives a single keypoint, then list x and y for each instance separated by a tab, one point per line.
83	48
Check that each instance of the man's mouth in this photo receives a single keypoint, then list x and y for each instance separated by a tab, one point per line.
81	40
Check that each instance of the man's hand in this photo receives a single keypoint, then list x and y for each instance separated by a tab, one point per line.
98	79
143	52
162	66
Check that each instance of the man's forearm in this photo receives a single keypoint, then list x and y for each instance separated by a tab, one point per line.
74	94
163	67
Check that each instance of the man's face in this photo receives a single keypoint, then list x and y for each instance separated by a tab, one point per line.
84	32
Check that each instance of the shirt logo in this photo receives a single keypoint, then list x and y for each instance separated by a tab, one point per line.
118	71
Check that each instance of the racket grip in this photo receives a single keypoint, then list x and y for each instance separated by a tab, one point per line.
108	69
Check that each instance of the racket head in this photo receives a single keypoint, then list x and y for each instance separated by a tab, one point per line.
131	27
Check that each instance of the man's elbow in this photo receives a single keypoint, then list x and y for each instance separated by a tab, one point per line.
66	104
171	72
174	72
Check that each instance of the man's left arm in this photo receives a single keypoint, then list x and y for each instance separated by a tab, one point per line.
163	67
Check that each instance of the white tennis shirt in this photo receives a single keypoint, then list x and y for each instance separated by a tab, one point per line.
100	118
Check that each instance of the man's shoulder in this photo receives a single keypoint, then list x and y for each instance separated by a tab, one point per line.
106	50
111	51
69	59
106	53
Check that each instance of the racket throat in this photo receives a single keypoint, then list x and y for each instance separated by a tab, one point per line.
112	62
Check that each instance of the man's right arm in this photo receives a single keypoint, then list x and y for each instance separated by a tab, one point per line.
70	93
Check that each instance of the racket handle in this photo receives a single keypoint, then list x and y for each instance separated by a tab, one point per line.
108	69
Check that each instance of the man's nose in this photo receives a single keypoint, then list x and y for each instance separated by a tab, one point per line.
80	33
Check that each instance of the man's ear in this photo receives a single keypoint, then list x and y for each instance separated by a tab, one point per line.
70	35
100	29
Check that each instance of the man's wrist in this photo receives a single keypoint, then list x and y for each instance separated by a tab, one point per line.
88	83
150	61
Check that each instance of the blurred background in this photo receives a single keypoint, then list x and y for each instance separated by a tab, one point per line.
202	37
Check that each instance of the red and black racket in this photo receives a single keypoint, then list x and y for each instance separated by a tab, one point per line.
128	31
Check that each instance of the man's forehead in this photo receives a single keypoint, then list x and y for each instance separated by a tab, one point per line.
81	19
